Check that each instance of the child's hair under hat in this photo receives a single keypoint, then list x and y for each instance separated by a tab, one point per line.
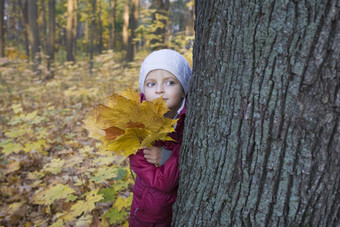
170	61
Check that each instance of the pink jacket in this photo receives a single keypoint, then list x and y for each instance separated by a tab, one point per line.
155	189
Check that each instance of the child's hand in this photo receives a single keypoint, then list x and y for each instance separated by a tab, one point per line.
153	155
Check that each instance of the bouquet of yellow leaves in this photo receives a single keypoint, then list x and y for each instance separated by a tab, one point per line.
125	124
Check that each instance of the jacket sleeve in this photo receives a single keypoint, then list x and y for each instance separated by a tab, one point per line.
163	178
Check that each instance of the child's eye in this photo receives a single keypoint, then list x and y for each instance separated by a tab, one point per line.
150	84
170	83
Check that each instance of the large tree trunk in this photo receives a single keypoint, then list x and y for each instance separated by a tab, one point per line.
51	37
133	25
262	138
33	32
69	31
2	28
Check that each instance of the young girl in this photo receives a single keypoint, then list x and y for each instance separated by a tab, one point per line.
163	73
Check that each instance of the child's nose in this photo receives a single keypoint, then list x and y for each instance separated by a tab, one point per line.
160	89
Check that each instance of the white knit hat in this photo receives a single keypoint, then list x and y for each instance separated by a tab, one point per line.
170	61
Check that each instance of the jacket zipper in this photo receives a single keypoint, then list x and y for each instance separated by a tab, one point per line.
134	214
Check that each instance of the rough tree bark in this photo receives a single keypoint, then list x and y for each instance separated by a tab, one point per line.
262	138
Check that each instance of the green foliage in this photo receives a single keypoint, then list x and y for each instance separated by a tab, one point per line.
115	216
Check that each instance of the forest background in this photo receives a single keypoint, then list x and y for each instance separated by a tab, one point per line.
59	58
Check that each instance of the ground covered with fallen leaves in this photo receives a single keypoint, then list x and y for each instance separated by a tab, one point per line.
51	172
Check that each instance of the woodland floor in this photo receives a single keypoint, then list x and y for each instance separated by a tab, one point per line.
51	173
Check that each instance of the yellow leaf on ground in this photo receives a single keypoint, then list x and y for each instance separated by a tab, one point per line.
47	196
10	147
17	108
12	208
84	206
75	160
104	222
37	146
35	175
12	166
122	203
30	116
104	174
14	133
54	166
59	223
84	220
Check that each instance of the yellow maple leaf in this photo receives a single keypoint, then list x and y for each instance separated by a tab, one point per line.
12	208
125	124
10	147
131	95
84	206
12	166
55	166
122	203
47	196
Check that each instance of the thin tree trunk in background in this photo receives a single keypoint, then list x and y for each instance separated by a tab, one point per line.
100	23
126	24
24	20
87	32
51	37
161	14
261	143
190	18
93	27
133	26
114	16
69	31
2	28
112	24
33	33
44	27
75	25
16	21
10	21
110	44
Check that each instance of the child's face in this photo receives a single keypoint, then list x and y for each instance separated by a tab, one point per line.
161	82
